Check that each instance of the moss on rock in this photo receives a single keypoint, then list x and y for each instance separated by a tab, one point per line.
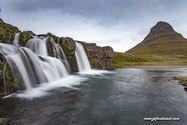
68	45
50	47
11	83
55	38
25	36
7	32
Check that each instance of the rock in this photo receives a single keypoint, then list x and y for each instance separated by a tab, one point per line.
69	42
7	32
68	46
99	57
70	93
25	36
185	88
4	121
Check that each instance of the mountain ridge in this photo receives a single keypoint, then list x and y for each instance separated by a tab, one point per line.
161	40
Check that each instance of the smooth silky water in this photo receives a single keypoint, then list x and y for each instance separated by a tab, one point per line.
121	97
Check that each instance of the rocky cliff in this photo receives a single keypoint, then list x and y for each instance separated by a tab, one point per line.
99	57
161	40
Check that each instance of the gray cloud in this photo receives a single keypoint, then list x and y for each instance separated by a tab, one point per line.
95	5
104	12
122	21
77	12
33	5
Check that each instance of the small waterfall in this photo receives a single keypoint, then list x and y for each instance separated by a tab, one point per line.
38	45
59	53
82	59
15	62
16	39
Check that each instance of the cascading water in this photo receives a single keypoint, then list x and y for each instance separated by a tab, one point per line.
38	45
16	39
15	62
32	63
82	59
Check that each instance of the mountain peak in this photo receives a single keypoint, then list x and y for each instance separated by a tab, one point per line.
161	40
160	29
161	26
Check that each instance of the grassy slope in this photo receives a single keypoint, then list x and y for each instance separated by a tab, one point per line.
162	46
124	59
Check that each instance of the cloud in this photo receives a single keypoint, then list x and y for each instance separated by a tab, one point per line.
77	12
92	5
34	5
120	23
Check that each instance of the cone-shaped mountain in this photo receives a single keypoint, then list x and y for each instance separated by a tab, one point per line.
161	40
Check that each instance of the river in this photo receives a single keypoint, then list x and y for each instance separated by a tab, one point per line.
120	97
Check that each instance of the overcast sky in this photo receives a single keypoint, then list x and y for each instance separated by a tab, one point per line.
120	24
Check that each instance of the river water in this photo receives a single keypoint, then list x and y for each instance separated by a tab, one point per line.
121	97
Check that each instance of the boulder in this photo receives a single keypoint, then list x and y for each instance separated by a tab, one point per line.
4	121
70	93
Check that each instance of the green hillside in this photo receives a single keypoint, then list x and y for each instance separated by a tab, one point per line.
162	46
162	40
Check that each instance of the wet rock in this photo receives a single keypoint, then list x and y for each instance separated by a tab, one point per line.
68	46
4	121
70	93
185	88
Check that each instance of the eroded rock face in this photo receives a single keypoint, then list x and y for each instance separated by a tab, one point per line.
99	57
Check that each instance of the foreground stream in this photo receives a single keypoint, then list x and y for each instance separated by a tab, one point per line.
122	97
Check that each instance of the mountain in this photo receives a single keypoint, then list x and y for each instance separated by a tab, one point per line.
161	40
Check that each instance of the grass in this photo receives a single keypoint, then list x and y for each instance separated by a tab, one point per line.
124	59
182	80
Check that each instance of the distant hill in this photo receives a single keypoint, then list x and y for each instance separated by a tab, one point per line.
161	40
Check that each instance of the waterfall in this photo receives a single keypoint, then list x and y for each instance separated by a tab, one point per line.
38	45
15	62
82	59
32	63
16	39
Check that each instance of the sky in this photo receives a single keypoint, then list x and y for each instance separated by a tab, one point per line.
121	24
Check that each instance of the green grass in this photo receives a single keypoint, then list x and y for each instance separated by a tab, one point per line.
124	59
